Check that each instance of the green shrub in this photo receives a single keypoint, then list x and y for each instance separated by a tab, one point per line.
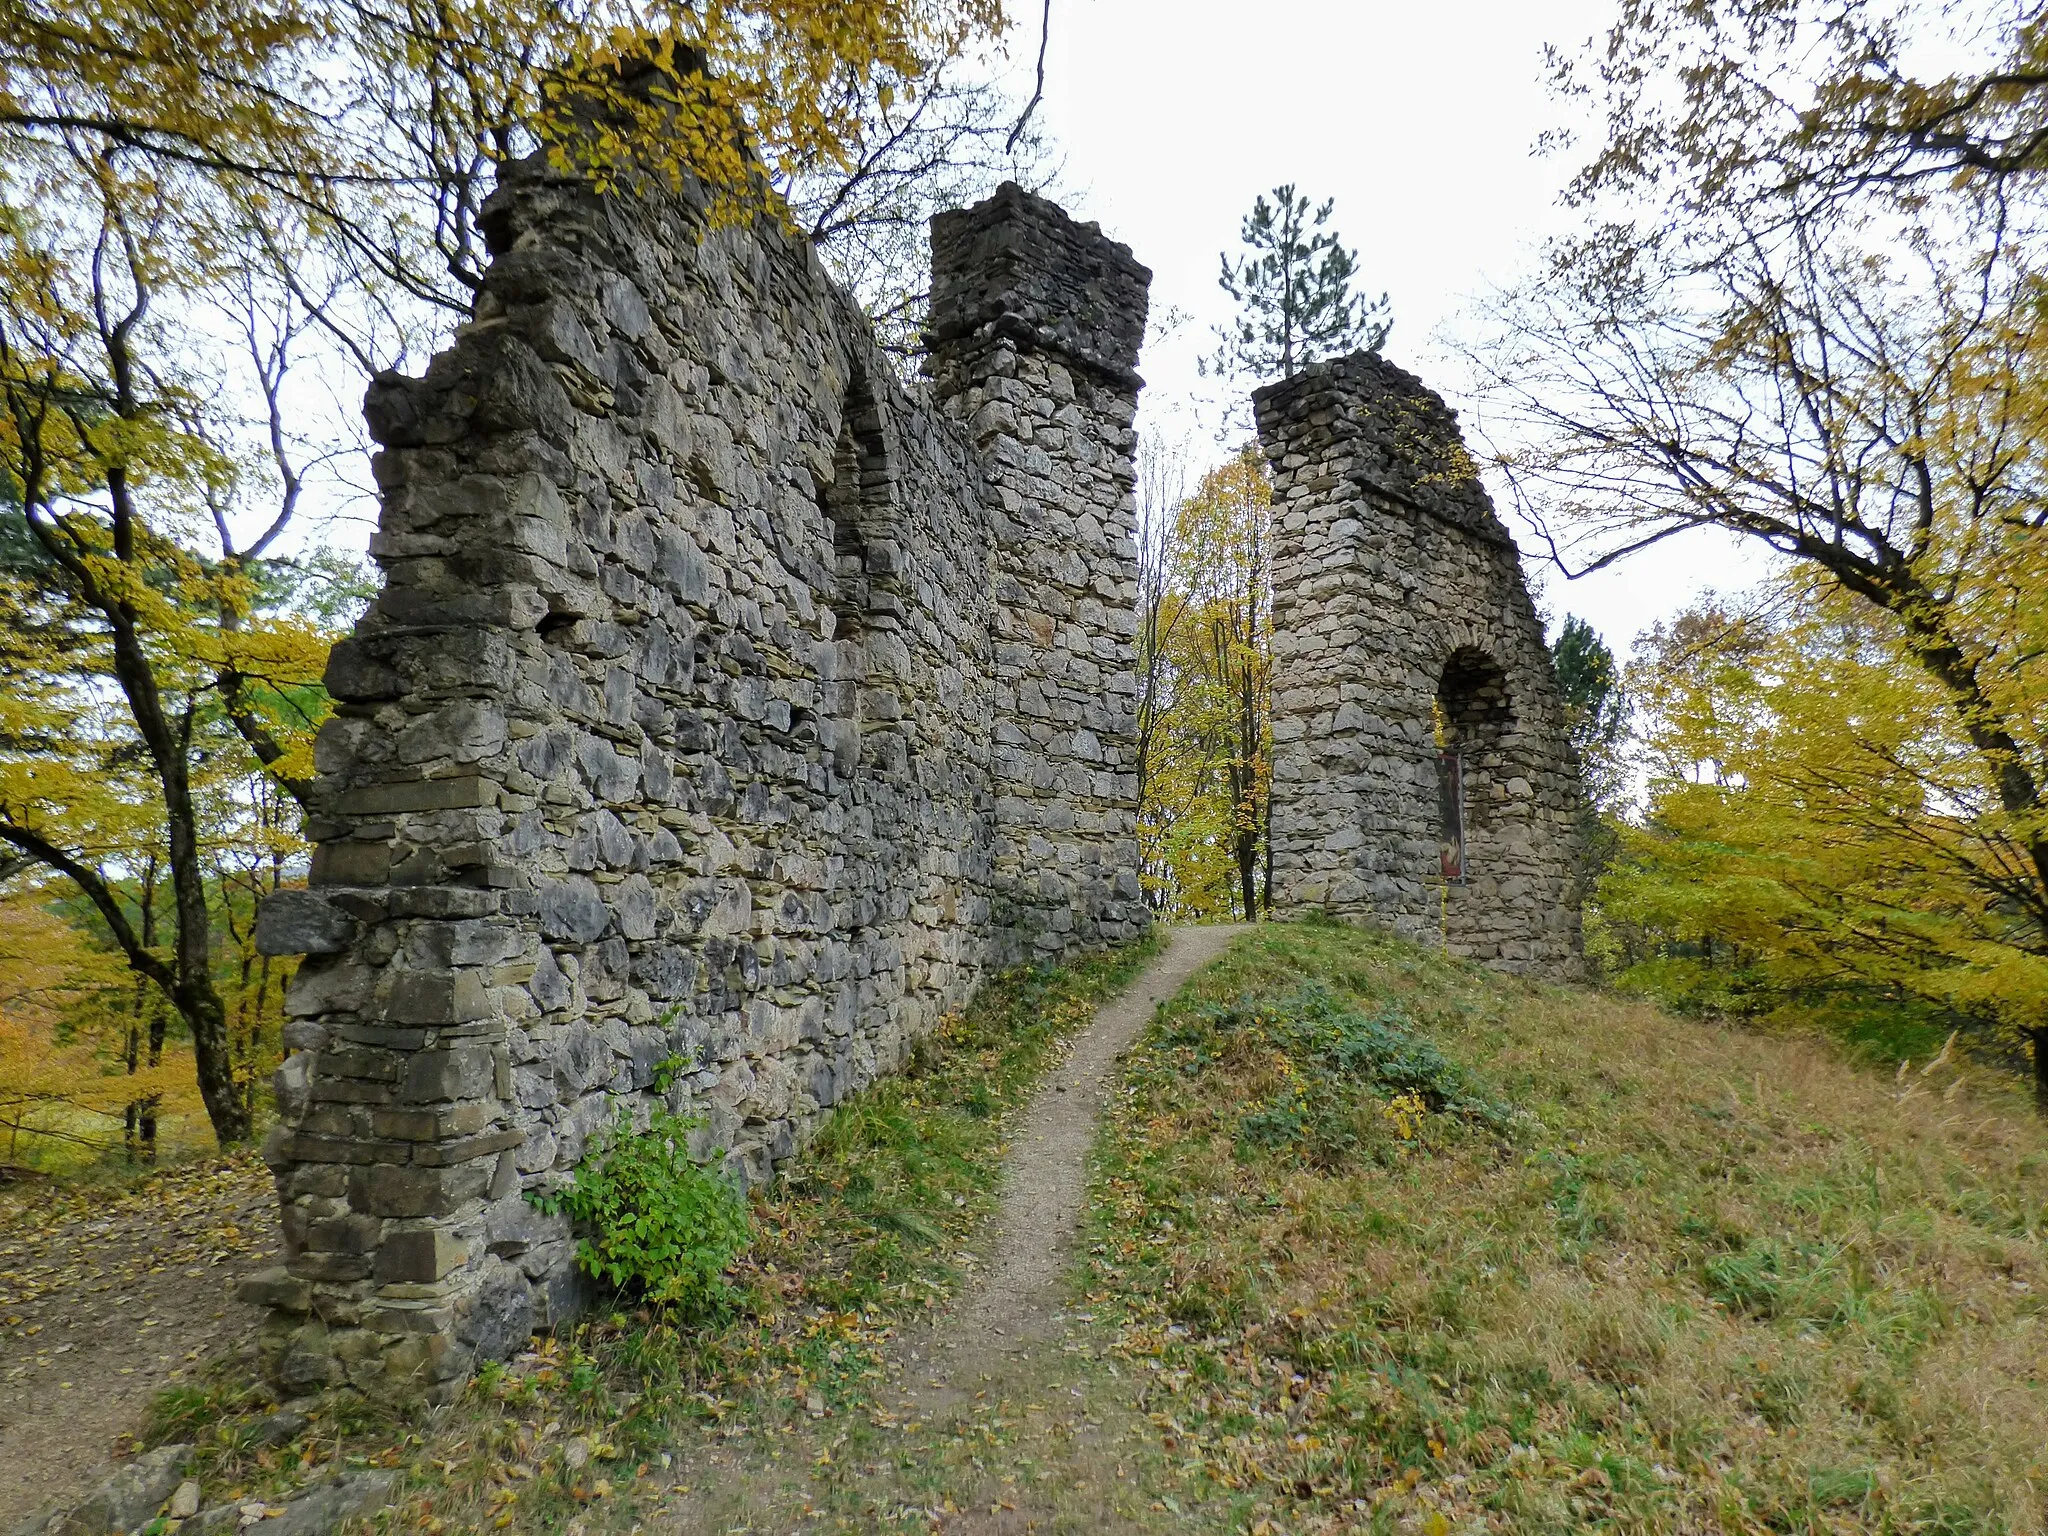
651	1220
1353	1084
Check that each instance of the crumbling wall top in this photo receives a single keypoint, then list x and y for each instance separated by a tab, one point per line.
1017	265
1402	441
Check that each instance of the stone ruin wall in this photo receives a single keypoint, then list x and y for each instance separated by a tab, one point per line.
1396	589
724	701
727	702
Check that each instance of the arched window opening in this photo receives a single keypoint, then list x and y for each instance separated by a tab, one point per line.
846	566
855	503
1472	695
1471	710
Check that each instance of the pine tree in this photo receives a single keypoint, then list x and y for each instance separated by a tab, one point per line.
1292	287
1596	718
1596	707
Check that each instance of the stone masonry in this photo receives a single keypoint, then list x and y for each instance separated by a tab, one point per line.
1404	636
730	709
725	703
1046	387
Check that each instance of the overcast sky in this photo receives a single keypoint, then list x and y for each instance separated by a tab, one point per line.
1419	119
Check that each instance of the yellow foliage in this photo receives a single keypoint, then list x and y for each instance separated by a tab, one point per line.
65	1009
1208	775
1820	818
334	109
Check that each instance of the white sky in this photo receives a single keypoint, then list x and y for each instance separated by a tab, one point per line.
1419	119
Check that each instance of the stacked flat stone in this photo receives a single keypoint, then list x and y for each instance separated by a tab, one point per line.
725	706
1403	628
1036	323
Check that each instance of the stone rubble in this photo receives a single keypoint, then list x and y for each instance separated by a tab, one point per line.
125	1498
151	1496
312	1511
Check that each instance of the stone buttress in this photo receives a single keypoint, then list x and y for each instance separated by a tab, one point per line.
1422	780
727	710
1035	327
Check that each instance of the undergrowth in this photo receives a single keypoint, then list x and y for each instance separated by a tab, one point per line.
1349	1084
867	1231
1398	1245
650	1220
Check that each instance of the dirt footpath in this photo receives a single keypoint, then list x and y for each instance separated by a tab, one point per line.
1003	1418
106	1299
1018	1300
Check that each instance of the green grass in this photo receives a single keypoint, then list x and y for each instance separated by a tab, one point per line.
1672	1278
1377	1242
859	1240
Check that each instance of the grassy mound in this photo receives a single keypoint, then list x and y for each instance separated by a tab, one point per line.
1399	1245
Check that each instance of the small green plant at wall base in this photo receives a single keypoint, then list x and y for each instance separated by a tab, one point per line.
652	1220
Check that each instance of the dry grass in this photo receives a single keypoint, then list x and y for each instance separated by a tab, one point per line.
1706	1281
1441	1253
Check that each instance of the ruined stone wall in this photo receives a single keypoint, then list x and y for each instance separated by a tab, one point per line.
1035	326
1402	629
724	702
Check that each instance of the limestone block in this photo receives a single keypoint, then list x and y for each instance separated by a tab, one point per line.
295	922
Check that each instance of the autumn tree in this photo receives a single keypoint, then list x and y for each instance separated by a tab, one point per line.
1291	283
380	127
199	201
1826	97
1845	370
148	671
64	1036
1162	486
1205	812
1821	829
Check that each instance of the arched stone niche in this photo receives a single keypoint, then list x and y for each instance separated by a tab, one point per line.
1415	710
860	581
1472	713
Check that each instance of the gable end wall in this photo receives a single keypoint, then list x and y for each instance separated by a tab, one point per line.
1389	565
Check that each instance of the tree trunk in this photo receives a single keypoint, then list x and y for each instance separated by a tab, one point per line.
1247	873
149	1004
200	1007
1266	840
196	998
2038	1040
192	992
1251	741
131	1119
157	1021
